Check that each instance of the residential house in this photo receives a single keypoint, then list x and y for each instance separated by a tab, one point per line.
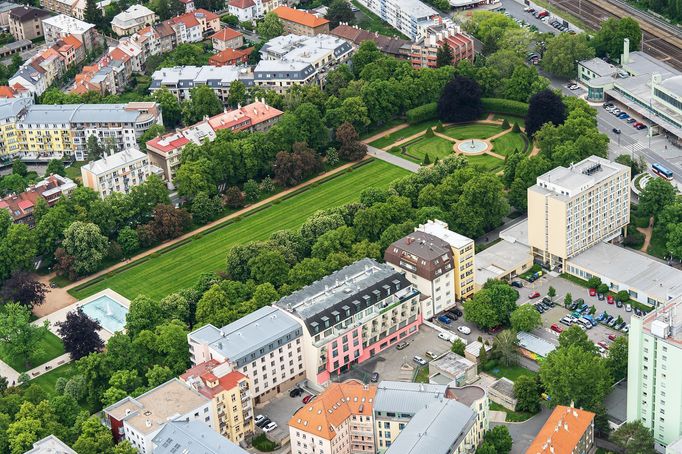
389	45
30	76
58	27
189	5
132	19
231	396
17	91
60	6
249	10
72	51
231	57
227	38
21	206
119	172
26	22
567	431
300	22
192	437
424	53
180	80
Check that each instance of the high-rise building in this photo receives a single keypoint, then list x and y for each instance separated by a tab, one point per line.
410	17
654	374
570	209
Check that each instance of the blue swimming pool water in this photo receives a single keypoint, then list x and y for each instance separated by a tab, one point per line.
109	313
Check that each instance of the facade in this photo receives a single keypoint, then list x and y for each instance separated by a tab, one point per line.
135	18
140	419
338	421
424	53
26	22
190	437
265	345
572	209
21	206
227	39
61	26
299	22
181	79
567	431
410	17
11	112
119	172
230	394
352	315
654	383
50	445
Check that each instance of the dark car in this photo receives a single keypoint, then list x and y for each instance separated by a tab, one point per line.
295	392
458	312
375	377
539	308
517	284
452	316
619	304
600	296
616	131
264	422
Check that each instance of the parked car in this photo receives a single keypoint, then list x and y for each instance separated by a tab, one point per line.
539	308
556	328
517	284
308	398
464	329
600	348
532	295
609	299
458	312
616	131
263	423
600	296
401	345
612	337
419	360
295	392
640	127
452	316
623	116
628	308
632	120
565	320
619	304
431	354
612	322
547	302
445	336
270	427
638	312
444	319
259	419
375	377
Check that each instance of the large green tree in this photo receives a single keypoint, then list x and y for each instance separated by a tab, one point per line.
84	242
20	338
562	53
655	196
270	27
525	318
492	305
617	359
608	41
634	438
203	102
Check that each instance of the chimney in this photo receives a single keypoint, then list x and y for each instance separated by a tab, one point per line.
625	58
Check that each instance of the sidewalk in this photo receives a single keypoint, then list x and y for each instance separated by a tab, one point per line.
13	376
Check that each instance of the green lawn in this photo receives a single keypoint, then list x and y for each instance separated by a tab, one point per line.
435	146
510	372
48	380
49	348
422	375
509	142
74	170
486	162
511	119
512	416
411	130
180	267
385	127
472	131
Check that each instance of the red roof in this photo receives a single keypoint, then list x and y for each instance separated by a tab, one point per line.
242	4
207	14
228	56
6	92
226	34
25	204
204	371
300	17
168	143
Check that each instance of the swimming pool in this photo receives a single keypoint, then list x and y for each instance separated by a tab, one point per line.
108	312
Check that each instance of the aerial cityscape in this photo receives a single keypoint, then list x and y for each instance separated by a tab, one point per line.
341	227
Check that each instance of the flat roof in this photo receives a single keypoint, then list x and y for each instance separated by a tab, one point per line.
441	230
631	270
643	63
500	259
453	364
50	445
616	403
415	8
80	113
535	344
193	437
565	182
68	24
405	397
517	233
599	67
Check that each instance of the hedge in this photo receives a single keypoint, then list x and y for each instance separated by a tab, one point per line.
505	106
422	113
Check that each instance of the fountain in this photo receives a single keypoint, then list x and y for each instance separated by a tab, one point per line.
473	146
109	312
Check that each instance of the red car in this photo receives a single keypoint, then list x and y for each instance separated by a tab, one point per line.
593	292
612	337
308	398
609	299
603	345
532	295
556	328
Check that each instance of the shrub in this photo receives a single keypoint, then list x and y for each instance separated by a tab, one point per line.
429	132
394	150
440	127
505	124
427	160
422	113
516	128
507	106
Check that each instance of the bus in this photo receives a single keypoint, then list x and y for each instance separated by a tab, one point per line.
662	171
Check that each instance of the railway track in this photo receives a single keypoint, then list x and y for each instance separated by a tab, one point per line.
661	39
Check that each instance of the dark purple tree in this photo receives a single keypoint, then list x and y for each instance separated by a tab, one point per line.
79	334
23	289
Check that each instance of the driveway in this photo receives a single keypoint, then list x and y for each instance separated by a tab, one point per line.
392	159
523	433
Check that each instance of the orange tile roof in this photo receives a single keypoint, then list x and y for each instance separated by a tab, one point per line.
226	34
204	371
241	4
72	40
298	16
118	54
207	14
229	55
6	92
331	408
572	424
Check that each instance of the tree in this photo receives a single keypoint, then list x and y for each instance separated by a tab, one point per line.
79	334
486	448
203	102
129	241
86	245
575	336
623	296
17	249
551	293
458	347
339	11
169	222
504	347
525	318
527	393
636	166
500	438
593	282
19	168
55	167
94	438
492	305
269	266
634	438
444	56
92	14
23	289
568	300
366	54
204	209
93	147
656	195
170	107
608	41
674	240
460	100
19	336
563	51
544	107
351	147
270	27
617	360
237	94
153	132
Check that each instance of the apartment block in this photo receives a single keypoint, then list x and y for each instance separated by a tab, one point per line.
61	26
248	10
119	172
135	18
338	421
570	209
410	17
424	54
265	346
299	22
463	252
140	419
395	47
230	394
21	206
50	445
11	112
26	22
179	437
352	315
180	80
654	380
567	431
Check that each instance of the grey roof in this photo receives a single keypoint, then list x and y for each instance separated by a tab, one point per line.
25	13
616	403
50	445
535	344
440	427
576	178
674	84
642	63
194	437
517	233
504	386
114	161
499	259
7	6
452	364
424	245
405	397
80	113
10	108
242	341
14	44
599	67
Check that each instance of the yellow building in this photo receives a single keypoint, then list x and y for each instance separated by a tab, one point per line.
230	394
10	111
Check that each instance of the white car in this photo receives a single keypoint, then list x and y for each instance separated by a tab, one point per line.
270	427
259	418
464	329
445	336
419	360
628	308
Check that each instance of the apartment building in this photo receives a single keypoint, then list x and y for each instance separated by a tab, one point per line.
248	10
227	39
463	252
119	172
26	22
61	26
570	209
654	381
50	445
567	431
179	437
11	111
265	345
21	206
418	417
352	315
337	421
395	47
427	262
299	60
299	22
230	394
135	18
424	54
65	129
180	80
140	419
410	17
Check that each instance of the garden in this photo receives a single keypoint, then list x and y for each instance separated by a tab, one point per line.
49	347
